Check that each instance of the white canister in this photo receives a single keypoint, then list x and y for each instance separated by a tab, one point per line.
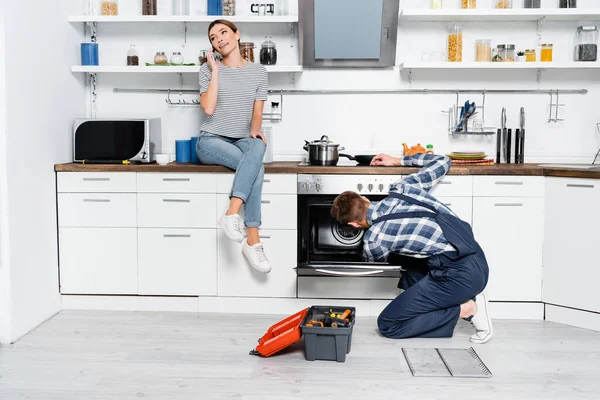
268	132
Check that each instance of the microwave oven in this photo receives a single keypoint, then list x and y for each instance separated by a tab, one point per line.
116	140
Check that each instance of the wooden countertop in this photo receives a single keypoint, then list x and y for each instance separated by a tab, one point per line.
292	167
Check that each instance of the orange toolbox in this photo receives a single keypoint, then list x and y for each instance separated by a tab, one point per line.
327	333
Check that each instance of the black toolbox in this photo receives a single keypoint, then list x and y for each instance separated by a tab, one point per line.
331	341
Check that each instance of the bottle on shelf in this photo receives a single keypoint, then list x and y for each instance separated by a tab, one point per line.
454	43
133	56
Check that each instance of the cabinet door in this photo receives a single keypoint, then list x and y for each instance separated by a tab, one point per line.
238	278
177	261
176	210
98	260
278	211
510	231
571	269
461	206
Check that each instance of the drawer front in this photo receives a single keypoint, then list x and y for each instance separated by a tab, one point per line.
272	183
461	206
164	182
90	182
312	287
177	262
177	210
453	186
97	209
278	211
515	186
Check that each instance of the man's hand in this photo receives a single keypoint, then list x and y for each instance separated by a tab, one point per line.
258	135
385	160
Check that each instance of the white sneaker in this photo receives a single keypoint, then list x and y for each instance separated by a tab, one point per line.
232	226
256	256
482	321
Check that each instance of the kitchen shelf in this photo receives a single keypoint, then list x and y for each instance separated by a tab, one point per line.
500	65
490	14
182	18
168	69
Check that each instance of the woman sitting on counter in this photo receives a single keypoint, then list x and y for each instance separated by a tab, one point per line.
232	94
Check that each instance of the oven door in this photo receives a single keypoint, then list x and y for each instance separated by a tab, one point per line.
328	248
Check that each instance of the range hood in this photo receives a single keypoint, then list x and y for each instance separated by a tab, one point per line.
348	33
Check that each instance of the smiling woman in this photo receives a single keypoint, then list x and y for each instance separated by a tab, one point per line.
232	95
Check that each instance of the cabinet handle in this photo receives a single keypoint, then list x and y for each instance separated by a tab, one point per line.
447	204
508	204
167	235
176	201
176	179
97	179
96	200
266	180
444	183
264	236
266	201
580	186
339	273
509	183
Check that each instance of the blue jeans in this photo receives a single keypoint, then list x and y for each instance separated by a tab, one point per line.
245	156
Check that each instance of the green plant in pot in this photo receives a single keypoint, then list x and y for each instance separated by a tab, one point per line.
521	56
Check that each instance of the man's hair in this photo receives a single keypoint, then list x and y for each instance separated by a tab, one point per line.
349	207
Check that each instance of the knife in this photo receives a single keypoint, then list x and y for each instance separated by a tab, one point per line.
504	134
521	141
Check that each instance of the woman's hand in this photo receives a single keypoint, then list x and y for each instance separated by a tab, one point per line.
212	62
258	135
385	160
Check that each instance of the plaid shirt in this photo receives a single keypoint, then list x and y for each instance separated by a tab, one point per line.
415	237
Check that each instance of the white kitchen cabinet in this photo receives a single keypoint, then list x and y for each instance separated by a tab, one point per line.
571	268
177	262
98	260
97	210
100	182
238	278
272	183
176	182
454	186
277	211
320	287
461	206
181	210
510	232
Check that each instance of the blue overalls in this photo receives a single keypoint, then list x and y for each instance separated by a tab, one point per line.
434	287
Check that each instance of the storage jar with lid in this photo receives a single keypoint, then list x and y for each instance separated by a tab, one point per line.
181	7
506	52
203	56
532	3
133	56
468	3
454	43
247	50
530	55
567	3
546	53
176	58
268	52
483	50
503	4
160	58
149	7
586	43
436	3
110	7
229	7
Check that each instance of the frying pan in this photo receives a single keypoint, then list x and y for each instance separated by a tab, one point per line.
362	159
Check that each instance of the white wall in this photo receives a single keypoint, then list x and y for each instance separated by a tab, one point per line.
42	98
374	123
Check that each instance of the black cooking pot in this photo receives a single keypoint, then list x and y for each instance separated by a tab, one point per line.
362	159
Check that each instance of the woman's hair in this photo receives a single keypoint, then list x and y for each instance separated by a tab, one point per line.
229	24
349	207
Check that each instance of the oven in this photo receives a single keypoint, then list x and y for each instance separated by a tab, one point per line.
326	247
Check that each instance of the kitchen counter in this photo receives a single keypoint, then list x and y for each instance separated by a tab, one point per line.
292	167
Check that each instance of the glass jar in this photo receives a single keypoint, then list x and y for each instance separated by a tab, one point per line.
268	52
586	43
468	4
247	50
454	43
532	3
133	56
530	55
110	7
181	7
503	4
228	7
160	58
148	7
176	58
546	53
506	52
483	50
436	3
203	57
567	3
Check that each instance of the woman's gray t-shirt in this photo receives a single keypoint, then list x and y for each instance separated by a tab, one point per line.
238	89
